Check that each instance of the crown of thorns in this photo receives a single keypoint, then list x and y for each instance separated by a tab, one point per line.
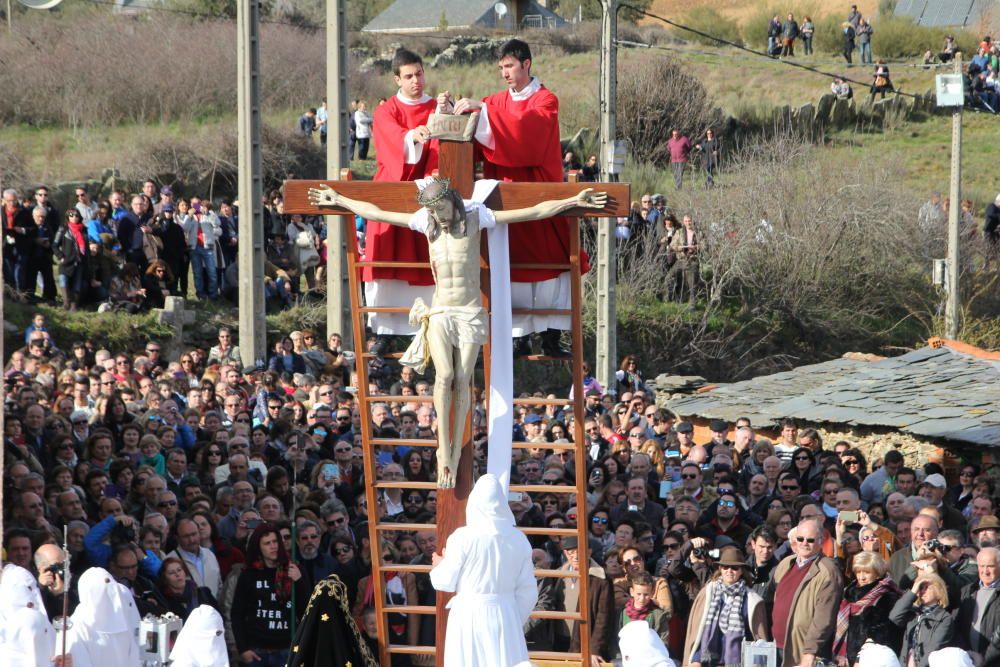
424	200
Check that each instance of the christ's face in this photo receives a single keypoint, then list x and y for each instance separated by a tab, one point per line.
443	213
411	81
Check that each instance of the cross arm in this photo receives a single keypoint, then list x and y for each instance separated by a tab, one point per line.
402	196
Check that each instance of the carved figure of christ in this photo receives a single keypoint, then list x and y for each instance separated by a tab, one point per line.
456	325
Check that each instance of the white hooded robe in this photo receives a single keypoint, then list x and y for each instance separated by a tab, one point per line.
488	565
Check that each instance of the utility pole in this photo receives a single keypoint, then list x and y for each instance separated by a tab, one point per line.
952	306
251	224
337	305
607	319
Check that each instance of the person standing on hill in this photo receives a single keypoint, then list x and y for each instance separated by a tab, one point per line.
789	33
679	148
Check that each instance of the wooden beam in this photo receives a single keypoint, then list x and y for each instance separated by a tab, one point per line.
402	197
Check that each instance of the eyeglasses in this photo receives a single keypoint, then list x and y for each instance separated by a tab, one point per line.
727	503
343	551
602	520
789	487
729	567
646	538
242	420
325	393
415	500
341	450
849	462
273	407
800	458
167	503
725	492
550	481
343	419
831	491
336	522
550	502
671	545
966	473
635	435
387	558
807	540
868	538
632	561
689	476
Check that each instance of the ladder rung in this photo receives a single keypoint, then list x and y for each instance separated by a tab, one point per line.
392	265
541	311
383	309
397	399
544	445
541	488
406	484
402	442
409	609
557	574
404	567
556	656
541	267
528	530
543	401
414	527
412	650
561	615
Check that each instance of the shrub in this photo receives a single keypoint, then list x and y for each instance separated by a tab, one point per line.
13	170
710	21
208	164
656	94
107	69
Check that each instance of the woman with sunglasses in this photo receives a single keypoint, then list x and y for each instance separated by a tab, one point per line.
855	464
725	613
804	470
598	525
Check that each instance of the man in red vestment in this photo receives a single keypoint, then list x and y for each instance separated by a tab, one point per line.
403	152
518	134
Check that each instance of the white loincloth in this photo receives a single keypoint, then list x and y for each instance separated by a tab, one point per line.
460	325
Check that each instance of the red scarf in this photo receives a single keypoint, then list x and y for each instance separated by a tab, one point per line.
282	582
848	609
77	229
635	614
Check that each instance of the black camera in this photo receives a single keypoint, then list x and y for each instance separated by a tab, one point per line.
701	552
122	534
56	569
935	545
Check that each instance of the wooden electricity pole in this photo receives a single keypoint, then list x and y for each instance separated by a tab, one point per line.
952	306
252	341
607	319
337	305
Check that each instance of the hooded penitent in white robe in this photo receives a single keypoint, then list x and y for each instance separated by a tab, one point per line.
202	641
27	639
103	628
641	646
487	563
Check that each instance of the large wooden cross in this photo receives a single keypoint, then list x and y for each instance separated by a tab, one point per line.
455	162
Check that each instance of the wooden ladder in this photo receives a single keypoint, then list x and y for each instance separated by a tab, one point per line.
373	486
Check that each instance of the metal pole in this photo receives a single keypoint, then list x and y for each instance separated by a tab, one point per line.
251	223
604	366
338	306
10	23
951	313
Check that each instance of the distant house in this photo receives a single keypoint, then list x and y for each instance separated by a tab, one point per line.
948	13
423	15
942	400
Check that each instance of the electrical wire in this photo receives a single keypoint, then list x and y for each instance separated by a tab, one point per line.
747	49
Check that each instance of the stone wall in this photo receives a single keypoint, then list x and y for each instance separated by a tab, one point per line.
862	111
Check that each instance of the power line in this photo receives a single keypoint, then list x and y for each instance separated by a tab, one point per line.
747	49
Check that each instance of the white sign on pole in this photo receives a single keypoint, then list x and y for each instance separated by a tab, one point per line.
950	89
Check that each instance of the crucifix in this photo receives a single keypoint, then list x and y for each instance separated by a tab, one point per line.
456	164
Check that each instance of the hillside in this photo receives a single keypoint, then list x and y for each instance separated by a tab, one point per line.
743	9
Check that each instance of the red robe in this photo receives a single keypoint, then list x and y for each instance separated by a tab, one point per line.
383	241
527	149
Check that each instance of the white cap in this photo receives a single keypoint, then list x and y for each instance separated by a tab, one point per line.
936	480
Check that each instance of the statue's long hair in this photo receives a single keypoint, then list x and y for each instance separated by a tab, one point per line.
459	226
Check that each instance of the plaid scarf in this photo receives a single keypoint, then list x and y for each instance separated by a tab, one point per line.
636	614
848	609
726	607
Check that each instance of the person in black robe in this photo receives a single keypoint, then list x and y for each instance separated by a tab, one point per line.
328	635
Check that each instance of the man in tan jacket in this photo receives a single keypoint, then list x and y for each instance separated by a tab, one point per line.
807	592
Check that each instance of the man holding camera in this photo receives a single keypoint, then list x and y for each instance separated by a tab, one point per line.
924	556
50	562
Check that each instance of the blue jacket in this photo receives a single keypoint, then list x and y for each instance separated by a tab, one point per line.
100	553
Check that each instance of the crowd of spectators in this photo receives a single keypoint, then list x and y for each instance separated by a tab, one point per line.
183	477
130	253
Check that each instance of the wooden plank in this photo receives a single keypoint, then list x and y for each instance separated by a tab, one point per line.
402	197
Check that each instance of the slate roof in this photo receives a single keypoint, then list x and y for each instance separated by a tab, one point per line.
934	392
944	13
405	15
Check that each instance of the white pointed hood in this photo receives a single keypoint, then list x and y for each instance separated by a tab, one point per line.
487	508
642	647
202	641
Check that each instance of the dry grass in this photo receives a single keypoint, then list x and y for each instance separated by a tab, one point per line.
744	9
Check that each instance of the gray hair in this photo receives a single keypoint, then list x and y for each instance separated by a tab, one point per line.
917	503
40	209
332	505
223	492
12	191
306	523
